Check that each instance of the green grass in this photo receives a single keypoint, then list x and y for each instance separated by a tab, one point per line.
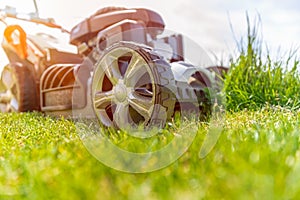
256	80
257	156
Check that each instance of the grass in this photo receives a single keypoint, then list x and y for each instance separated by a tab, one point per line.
256	80
257	156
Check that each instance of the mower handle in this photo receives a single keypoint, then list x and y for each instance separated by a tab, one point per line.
10	12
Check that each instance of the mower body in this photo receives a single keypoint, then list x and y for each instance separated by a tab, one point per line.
123	68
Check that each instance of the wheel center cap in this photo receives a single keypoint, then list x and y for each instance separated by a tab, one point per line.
120	92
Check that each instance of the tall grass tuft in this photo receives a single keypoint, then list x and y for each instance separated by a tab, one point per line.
255	80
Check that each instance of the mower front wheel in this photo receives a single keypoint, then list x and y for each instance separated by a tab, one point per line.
131	86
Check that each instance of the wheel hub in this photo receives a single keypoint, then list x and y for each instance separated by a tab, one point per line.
120	91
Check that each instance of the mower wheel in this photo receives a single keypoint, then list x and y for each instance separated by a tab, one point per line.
19	92
132	85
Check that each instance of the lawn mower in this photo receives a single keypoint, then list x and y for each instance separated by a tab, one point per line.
125	71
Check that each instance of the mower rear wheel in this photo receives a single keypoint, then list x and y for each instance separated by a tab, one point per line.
19	92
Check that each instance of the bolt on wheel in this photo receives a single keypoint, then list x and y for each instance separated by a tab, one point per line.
132	86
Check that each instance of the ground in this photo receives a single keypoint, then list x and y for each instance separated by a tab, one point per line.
257	156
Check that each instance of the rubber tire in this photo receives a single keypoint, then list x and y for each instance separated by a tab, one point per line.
26	89
2	86
165	81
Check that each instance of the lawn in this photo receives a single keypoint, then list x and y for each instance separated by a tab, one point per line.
257	155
